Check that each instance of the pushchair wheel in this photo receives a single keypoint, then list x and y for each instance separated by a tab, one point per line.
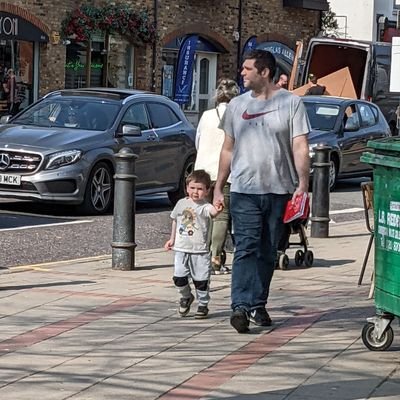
308	258
223	257
299	258
283	261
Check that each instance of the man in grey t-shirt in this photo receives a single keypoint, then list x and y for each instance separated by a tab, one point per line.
266	152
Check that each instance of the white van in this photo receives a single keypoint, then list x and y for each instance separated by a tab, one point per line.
369	65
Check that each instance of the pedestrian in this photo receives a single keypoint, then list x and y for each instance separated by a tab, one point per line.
191	218
283	81
266	153
12	90
209	140
315	88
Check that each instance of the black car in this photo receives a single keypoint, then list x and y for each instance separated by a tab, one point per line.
61	149
346	125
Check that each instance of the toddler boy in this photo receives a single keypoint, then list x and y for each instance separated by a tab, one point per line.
191	222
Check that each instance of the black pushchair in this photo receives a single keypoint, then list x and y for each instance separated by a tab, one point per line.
305	256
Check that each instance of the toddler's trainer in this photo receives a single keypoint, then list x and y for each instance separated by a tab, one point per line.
184	305
202	312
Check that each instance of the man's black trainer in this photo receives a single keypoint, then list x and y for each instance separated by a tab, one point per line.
240	320
260	317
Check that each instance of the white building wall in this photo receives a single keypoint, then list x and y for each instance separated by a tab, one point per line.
357	19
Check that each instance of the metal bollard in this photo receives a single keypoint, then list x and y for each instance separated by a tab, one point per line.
123	244
320	192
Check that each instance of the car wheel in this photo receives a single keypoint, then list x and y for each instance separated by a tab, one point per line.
181	192
99	190
333	171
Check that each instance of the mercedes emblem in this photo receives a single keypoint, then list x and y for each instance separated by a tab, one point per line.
4	161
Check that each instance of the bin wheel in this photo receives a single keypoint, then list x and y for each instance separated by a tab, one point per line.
308	258
283	261
371	342
299	258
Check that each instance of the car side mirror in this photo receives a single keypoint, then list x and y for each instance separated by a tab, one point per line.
131	130
5	119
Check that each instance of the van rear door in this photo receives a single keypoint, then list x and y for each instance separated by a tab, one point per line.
325	56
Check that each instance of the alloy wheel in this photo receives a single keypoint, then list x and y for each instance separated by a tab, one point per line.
100	190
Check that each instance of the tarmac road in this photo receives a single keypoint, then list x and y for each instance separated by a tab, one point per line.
33	233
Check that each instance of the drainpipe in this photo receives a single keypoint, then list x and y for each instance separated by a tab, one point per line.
239	42
154	57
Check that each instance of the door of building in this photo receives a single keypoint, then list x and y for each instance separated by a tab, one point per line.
203	87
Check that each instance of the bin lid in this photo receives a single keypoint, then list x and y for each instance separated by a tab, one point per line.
381	159
386	144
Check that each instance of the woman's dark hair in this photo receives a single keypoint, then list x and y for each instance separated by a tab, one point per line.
263	59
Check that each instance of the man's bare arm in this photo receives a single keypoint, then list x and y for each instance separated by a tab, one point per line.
225	159
223	170
302	162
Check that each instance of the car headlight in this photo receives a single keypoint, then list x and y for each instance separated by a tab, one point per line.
311	149
62	158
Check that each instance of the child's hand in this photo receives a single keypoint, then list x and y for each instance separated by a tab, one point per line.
169	244
219	207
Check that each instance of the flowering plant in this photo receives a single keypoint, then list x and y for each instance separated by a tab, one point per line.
87	20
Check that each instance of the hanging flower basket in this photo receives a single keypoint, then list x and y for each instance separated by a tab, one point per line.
87	20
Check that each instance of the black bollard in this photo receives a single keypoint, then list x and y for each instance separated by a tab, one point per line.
320	192
123	244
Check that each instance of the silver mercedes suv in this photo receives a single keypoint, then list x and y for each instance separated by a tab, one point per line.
61	149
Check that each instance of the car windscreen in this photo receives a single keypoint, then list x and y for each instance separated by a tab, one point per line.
70	113
322	116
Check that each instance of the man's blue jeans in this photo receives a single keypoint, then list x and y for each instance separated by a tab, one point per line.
257	227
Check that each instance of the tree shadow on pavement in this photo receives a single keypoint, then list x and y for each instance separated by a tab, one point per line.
353	389
319	263
44	285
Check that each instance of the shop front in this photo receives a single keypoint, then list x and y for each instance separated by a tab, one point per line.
19	51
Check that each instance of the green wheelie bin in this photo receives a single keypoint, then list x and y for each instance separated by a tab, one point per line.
384	156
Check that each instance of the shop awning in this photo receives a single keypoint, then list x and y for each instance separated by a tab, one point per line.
317	5
14	27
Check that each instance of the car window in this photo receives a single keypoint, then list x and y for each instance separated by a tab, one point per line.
350	119
136	115
367	116
69	113
161	115
322	116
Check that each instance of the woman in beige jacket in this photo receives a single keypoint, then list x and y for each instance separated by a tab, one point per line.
209	140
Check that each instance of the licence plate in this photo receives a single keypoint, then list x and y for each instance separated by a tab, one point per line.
6	179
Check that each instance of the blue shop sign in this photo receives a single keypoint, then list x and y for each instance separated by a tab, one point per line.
278	50
184	74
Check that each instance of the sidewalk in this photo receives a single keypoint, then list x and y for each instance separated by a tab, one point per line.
79	330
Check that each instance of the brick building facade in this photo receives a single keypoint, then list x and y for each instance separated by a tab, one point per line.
222	29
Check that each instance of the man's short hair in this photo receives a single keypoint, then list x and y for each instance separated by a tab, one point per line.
263	59
313	78
199	176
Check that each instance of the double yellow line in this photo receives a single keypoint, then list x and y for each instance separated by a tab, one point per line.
42	266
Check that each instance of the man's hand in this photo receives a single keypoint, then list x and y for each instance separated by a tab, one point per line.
218	199
299	192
